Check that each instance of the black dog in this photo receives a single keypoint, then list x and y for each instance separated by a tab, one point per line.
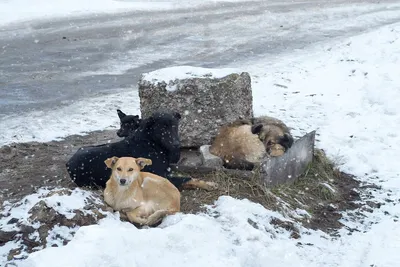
128	123
157	138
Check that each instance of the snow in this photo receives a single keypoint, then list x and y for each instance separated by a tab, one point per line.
185	72
63	204
56	199
171	74
329	187
44	126
40	9
349	91
60	233
183	240
13	11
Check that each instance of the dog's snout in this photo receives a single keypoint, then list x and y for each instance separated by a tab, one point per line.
122	181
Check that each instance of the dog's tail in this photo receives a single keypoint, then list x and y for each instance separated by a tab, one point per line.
191	183
199	184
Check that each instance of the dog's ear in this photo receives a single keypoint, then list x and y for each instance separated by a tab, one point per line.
256	129
142	162
110	162
287	141
177	115
136	117
121	114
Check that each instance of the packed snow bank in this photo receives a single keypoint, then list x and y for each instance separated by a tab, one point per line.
185	72
232	233
240	232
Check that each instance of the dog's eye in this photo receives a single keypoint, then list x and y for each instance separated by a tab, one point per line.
130	169
119	169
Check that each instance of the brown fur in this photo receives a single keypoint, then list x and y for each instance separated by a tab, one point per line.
146	198
237	145
272	133
199	184
243	143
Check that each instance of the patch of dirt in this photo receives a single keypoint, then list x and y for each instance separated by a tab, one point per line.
24	167
323	192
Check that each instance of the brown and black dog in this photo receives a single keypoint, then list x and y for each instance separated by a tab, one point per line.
243	143
274	134
144	197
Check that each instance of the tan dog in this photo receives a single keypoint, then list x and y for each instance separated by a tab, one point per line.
146	198
238	146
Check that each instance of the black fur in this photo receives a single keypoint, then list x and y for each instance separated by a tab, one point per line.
256	129
239	164
156	138
128	123
286	141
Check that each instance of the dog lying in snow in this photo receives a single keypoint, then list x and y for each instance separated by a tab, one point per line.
146	198
156	138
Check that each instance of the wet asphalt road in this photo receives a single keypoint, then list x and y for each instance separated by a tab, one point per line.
44	64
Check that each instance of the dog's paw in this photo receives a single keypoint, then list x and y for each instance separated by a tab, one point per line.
211	186
143	216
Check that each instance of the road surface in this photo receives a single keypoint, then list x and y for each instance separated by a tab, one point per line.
45	64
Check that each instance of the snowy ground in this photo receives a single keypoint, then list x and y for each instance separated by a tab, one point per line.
12	11
349	91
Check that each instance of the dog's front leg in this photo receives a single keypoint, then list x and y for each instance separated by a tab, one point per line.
158	216
109	197
137	215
